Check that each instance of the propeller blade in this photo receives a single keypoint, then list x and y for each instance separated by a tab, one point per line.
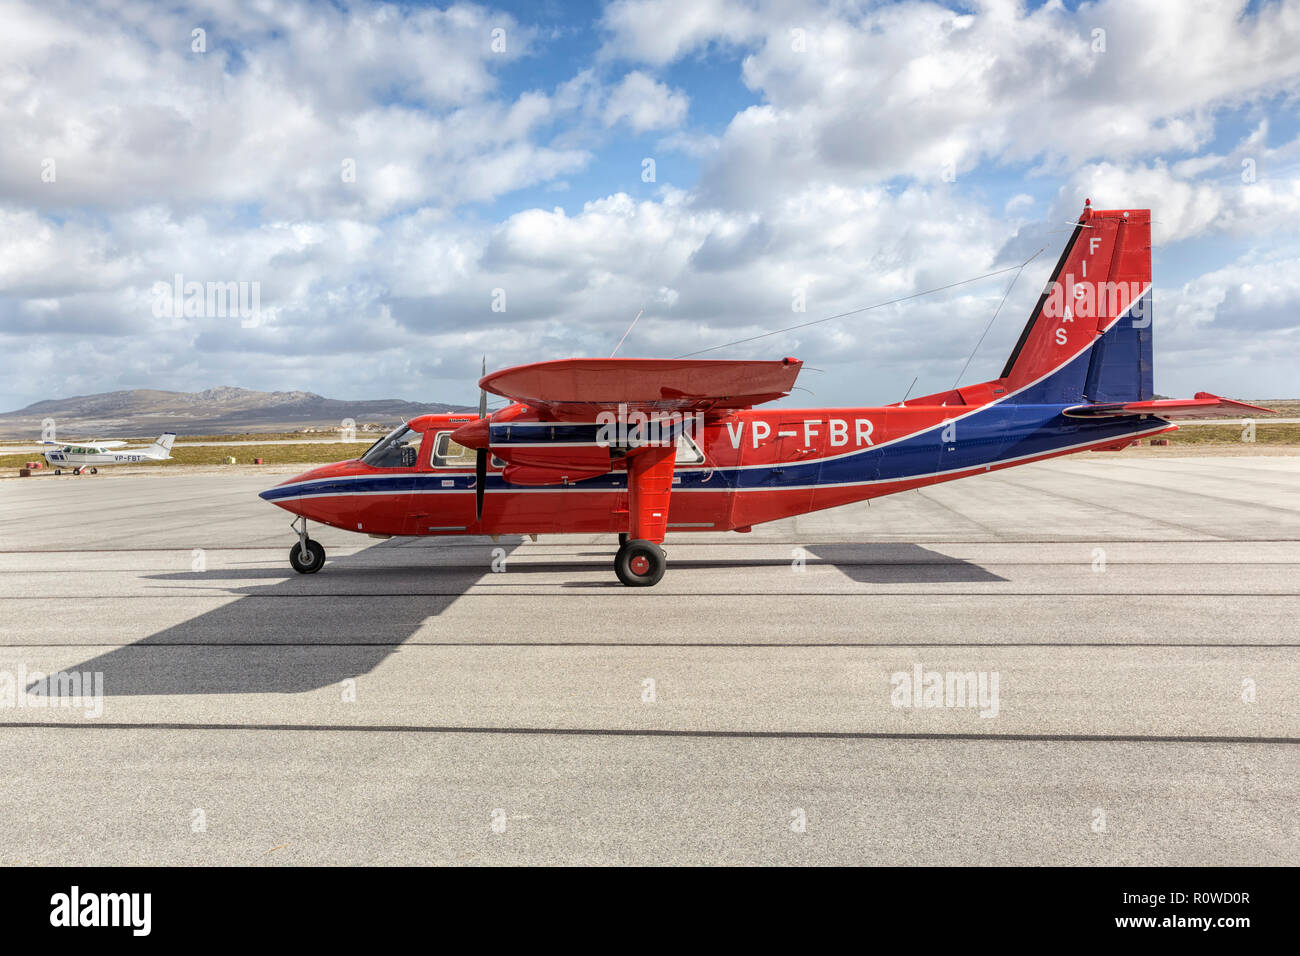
480	481
480	456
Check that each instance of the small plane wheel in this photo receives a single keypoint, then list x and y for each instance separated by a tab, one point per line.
622	538
76	471
315	558
640	564
58	471
94	471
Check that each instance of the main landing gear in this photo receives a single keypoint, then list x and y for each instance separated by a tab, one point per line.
307	556
639	564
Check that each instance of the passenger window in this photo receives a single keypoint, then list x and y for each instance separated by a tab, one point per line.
450	454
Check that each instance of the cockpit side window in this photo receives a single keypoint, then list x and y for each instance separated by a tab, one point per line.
399	449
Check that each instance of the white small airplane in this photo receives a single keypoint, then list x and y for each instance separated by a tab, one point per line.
85	456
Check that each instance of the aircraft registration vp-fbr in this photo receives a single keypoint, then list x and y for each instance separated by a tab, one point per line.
83	456
1079	379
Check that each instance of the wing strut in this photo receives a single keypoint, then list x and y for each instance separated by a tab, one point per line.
649	486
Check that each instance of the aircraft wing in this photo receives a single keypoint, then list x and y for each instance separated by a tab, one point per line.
1204	405
578	389
86	444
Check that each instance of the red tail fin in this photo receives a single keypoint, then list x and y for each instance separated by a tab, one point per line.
1089	337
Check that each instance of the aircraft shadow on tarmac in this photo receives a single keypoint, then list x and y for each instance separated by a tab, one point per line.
300	633
899	563
306	632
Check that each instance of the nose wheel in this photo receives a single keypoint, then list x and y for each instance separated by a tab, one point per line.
640	564
307	556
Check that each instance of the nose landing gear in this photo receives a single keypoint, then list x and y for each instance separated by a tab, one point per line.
307	556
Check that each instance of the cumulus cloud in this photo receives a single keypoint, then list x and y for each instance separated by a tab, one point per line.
660	31
645	104
889	149
917	90
297	108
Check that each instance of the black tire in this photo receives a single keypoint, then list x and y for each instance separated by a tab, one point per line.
94	471
623	538
58	471
315	554
76	471
640	564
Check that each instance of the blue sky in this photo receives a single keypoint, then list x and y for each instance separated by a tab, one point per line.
843	154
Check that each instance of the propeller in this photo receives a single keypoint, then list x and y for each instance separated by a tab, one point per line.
481	455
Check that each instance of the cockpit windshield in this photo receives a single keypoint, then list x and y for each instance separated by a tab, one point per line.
400	448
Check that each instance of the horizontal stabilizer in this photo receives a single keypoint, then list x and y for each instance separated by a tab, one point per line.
1204	405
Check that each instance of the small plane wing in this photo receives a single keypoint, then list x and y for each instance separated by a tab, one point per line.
1204	405
577	389
86	444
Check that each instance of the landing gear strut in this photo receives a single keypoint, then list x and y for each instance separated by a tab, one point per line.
639	563
307	556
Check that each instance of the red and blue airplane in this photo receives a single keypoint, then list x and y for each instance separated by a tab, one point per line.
642	447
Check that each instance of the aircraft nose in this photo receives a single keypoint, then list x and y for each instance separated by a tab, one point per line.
286	493
284	489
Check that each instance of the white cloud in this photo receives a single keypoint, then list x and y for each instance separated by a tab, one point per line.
660	31
645	104
283	95
226	167
912	89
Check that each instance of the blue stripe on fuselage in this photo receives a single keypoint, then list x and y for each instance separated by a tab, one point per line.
1020	426
992	435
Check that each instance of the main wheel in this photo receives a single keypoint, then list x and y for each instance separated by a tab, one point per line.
76	471
640	564
58	471
314	560
94	471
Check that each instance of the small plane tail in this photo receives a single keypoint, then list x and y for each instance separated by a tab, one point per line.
162	446
1088	339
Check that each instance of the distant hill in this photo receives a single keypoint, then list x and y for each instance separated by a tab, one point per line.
225	410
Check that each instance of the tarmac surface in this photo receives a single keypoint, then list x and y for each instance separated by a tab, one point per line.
409	704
